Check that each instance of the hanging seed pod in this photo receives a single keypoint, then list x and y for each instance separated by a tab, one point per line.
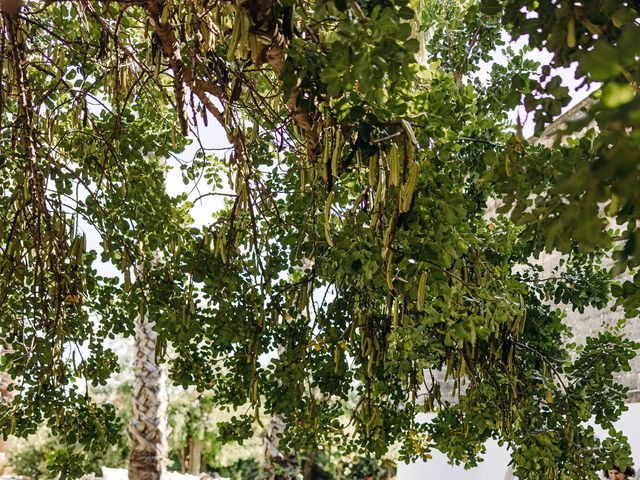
394	166
407	190
337	152
421	292
373	170
327	219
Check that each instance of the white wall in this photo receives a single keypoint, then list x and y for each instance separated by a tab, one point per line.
495	465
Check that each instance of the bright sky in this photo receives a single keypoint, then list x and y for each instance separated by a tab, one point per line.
212	138
543	58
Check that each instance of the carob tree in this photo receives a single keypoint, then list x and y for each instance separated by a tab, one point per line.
357	240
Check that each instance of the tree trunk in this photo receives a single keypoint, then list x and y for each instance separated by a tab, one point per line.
421	55
148	426
182	458
307	473
6	396
195	456
276	464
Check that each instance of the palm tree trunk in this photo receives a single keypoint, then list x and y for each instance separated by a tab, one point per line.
148	426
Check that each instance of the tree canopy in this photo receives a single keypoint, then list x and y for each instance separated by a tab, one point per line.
364	150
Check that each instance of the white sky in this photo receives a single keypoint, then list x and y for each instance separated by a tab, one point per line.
543	57
211	137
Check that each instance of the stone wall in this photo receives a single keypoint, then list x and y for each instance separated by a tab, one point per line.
592	320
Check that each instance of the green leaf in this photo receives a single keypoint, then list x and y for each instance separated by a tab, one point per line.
629	44
490	7
601	63
615	94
